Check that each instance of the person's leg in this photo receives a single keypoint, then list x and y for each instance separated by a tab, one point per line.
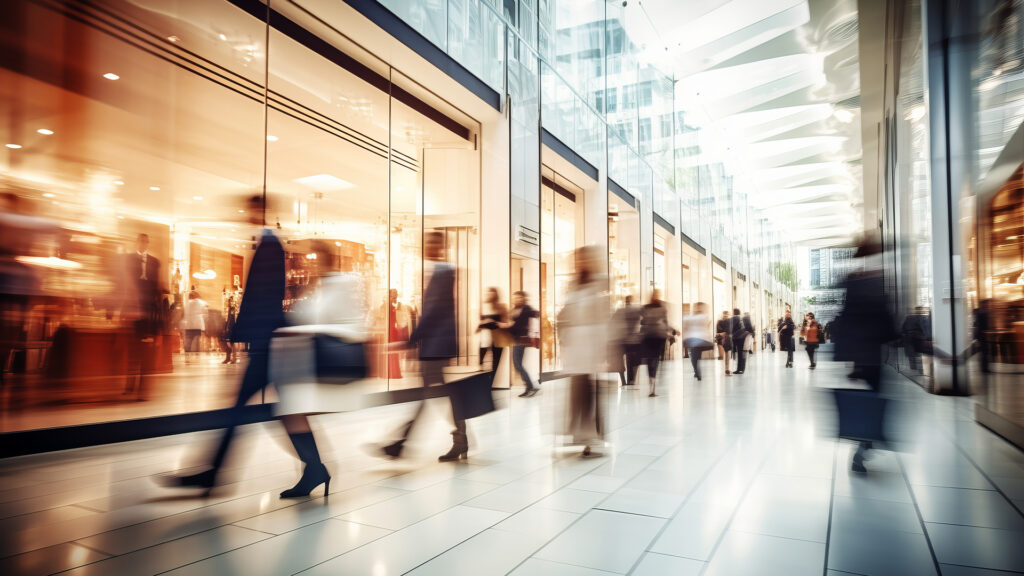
518	352
810	354
789	357
741	359
314	473
496	352
483	355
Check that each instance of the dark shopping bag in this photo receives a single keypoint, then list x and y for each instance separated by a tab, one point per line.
472	397
338	360
861	414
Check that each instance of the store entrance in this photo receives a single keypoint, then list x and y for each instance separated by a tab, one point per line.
561	233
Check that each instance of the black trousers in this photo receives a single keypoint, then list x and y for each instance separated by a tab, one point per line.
741	356
254	381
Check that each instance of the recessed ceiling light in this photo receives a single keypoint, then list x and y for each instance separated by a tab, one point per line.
111	76
14	146
271	138
118	183
154	188
45	131
241	211
173	38
222	37
49	195
325	183
197	197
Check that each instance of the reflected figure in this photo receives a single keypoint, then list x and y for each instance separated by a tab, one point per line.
582	325
194	324
654	331
493	323
519	329
864	326
697	335
625	326
260	313
398	331
786	341
434	335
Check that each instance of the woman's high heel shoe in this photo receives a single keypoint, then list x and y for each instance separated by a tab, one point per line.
454	454
312	477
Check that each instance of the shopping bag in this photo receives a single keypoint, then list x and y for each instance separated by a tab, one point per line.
472	397
861	414
339	361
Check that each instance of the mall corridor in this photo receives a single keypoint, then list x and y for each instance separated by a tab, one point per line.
728	476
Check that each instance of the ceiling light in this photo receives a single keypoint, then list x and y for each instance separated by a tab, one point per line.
49	195
49	262
154	188
197	197
111	76
325	183
337	243
45	131
241	211
118	183
173	38
271	138
14	146
843	115
205	275
222	37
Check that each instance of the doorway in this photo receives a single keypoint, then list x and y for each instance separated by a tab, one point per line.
561	233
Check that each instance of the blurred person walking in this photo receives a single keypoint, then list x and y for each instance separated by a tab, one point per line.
786	329
332	315
194	324
625	341
582	324
723	338
492	328
812	338
696	335
738	333
434	335
519	329
398	331
260	313
654	331
864	326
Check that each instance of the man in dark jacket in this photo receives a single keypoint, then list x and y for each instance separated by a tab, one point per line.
260	313
435	337
739	333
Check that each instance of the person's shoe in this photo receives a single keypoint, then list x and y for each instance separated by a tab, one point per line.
205	479
651	395
738	372
532	392
454	454
393	450
524	394
312	476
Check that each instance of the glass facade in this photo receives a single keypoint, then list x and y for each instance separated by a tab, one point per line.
127	120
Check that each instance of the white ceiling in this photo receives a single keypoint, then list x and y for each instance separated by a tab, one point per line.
773	87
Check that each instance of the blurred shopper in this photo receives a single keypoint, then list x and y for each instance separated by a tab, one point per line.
625	342
723	338
864	326
748	343
582	325
696	335
492	332
786	329
260	313
812	338
738	334
398	331
654	330
142	308
334	309
519	329
434	335
194	324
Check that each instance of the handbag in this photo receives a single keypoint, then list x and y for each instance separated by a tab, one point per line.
339	361
861	415
472	397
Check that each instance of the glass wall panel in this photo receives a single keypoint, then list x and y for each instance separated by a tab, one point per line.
524	161
428	17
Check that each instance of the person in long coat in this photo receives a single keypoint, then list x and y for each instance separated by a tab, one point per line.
786	330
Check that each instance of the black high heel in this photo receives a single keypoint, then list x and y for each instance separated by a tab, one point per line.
454	454
311	478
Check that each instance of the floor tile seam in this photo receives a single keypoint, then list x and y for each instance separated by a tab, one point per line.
794	539
920	517
1008	571
732	515
986	476
633	513
1014	530
831	504
686	499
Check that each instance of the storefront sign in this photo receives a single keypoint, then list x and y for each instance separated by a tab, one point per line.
524	234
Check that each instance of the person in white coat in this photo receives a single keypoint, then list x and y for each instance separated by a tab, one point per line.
582	331
193	323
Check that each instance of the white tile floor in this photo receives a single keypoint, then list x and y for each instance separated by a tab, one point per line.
730	476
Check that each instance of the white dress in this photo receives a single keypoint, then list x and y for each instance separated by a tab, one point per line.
336	308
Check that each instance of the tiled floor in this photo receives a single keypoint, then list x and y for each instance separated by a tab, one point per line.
729	476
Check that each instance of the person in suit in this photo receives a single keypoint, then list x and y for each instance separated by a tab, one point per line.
738	334
141	307
435	338
260	313
723	339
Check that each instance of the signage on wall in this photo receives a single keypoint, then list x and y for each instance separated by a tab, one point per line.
528	236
